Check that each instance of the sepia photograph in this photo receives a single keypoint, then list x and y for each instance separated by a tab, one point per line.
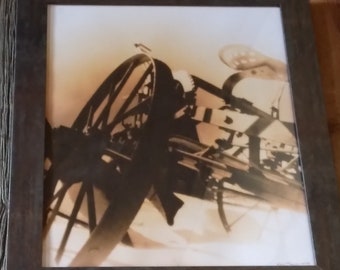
171	140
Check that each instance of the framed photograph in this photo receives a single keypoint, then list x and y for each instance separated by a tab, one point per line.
170	134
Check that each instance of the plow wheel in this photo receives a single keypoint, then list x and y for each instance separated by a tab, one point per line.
226	197
116	145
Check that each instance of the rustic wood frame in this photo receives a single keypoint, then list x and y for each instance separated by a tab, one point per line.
25	133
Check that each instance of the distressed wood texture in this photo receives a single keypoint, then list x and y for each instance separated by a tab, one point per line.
7	55
326	23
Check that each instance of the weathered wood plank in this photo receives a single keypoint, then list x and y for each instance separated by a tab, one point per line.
7	58
326	24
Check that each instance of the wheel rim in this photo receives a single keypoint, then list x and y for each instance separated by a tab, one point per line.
115	127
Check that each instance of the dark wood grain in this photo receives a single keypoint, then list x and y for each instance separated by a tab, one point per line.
24	233
326	25
315	148
7	53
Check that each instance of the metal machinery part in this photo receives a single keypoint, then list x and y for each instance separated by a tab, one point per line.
118	144
138	133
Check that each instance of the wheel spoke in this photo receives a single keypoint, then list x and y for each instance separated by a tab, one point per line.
119	108
134	92
103	117
71	222
91	207
55	209
135	110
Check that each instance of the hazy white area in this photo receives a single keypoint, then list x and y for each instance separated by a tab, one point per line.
259	235
85	44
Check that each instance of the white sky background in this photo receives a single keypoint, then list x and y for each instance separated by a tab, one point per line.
85	44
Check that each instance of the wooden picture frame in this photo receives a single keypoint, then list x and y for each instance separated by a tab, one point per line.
24	247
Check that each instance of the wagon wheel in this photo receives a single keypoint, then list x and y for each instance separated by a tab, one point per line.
117	144
225	197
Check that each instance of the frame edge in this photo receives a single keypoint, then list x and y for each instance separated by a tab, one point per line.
312	132
8	10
